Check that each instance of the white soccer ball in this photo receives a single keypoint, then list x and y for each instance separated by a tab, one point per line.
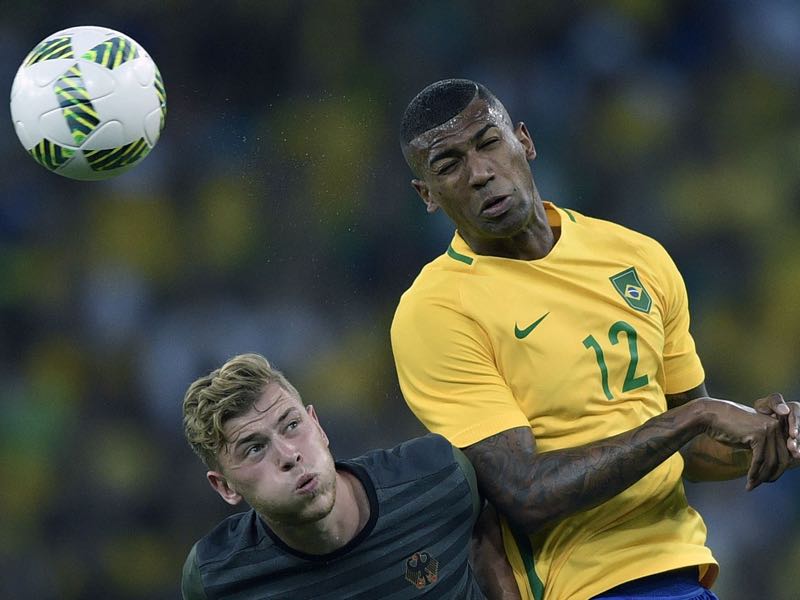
88	103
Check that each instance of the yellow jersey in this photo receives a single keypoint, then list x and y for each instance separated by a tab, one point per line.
580	345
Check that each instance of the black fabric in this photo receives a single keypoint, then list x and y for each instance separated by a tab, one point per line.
421	511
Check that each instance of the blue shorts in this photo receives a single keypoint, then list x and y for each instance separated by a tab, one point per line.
672	585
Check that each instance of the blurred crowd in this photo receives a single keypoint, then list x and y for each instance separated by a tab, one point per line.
275	215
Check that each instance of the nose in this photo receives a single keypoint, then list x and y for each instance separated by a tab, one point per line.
481	171
288	455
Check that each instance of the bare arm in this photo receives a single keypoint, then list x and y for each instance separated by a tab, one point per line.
706	459
488	558
535	490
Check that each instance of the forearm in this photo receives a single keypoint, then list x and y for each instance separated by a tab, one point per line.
488	557
706	459
535	490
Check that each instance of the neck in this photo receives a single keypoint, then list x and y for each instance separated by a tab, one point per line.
535	240
348	516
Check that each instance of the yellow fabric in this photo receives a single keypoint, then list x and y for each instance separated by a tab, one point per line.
515	560
467	376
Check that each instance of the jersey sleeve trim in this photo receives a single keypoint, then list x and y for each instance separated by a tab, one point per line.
489	427
469	474
191	581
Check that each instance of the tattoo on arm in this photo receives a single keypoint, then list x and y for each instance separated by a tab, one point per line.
535	490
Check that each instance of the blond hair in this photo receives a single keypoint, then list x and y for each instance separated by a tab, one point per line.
225	393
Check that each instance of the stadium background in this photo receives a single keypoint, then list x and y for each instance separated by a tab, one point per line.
275	215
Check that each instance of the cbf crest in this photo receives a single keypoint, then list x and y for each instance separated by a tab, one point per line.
630	287
422	569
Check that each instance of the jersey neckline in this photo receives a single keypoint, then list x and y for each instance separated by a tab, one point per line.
369	487
556	217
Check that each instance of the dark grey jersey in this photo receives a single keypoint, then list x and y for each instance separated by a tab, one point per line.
423	504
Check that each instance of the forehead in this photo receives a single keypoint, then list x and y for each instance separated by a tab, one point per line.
272	403
461	127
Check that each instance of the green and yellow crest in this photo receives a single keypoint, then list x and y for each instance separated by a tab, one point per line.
630	287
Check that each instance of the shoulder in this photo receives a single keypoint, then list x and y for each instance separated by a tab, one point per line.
414	459
608	238
231	536
423	473
439	279
191	581
433	302
616	232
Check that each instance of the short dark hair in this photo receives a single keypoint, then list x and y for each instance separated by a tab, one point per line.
438	103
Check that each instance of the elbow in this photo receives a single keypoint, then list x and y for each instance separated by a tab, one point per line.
526	506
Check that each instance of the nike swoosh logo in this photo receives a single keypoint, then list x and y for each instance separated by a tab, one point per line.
523	333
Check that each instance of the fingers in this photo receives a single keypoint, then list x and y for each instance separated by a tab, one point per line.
774	457
793	429
794	448
755	465
774	404
769	463
793	443
794	418
783	459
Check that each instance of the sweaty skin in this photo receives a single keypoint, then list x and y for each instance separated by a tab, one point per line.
277	459
477	160
576	479
473	161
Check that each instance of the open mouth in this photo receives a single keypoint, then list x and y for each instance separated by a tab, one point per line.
496	205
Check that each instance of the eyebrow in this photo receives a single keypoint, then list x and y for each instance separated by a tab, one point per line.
285	414
246	439
451	151
257	434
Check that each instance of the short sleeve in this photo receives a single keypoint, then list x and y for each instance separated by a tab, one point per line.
682	367
472	480
447	373
191	583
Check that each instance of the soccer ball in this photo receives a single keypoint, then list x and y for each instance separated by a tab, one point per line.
88	103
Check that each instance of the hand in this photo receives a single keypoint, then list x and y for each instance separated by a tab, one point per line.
789	414
743	427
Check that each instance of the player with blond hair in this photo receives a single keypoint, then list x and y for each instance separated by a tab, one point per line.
392	523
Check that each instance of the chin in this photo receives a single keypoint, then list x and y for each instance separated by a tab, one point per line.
510	225
321	505
315	513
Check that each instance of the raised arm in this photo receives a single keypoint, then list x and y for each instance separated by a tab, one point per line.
535	490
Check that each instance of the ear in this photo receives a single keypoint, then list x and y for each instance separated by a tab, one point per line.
524	137
425	193
313	414
221	485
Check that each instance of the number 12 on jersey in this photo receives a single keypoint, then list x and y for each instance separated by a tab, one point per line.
631	381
